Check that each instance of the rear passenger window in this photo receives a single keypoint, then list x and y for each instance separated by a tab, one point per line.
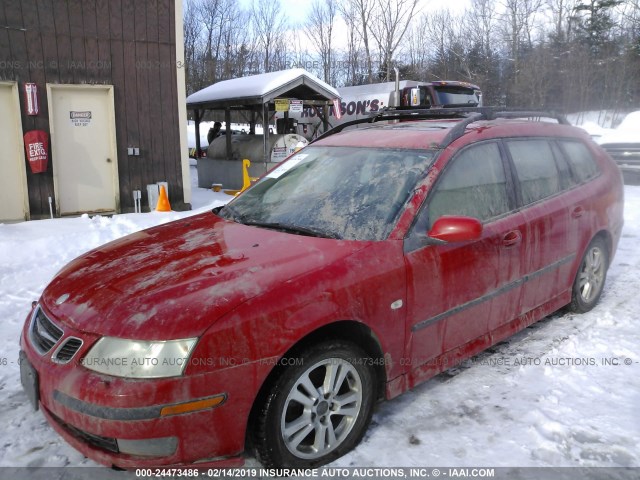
582	162
473	185
535	168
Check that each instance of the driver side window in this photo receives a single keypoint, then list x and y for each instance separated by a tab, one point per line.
473	184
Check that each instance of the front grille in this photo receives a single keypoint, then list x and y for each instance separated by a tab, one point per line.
44	333
104	443
67	350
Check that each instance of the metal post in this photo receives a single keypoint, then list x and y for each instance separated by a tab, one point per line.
197	120
227	121
325	117
252	123
265	134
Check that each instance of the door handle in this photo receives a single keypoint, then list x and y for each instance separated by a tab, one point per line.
577	212
512	238
108	160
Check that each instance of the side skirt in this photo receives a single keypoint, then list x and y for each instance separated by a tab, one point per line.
457	355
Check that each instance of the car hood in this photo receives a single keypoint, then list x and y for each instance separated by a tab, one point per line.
175	280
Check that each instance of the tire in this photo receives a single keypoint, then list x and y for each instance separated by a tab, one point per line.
591	276
302	423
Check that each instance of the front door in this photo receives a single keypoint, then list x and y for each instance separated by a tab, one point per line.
13	180
457	290
83	148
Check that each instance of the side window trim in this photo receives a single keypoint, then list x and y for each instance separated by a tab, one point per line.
564	167
513	186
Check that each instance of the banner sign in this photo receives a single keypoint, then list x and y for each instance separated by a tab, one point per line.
336	108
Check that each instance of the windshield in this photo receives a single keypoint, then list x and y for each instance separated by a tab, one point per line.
337	192
457	96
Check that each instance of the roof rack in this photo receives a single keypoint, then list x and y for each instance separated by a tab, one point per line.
468	115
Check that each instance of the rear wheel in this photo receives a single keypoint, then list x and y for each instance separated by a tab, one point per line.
592	273
318	409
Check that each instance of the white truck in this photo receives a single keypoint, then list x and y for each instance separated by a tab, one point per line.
360	101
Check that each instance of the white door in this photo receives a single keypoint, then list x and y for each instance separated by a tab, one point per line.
14	202
83	143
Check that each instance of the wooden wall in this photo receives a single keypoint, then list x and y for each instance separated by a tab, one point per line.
126	43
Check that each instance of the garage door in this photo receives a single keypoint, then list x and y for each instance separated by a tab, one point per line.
14	202
83	145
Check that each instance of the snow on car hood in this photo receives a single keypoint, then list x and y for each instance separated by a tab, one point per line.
175	280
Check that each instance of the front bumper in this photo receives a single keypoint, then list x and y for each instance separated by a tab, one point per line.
135	423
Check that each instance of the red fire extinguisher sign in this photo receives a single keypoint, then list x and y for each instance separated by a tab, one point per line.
31	98
36	144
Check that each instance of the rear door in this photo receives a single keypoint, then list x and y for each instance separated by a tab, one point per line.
549	249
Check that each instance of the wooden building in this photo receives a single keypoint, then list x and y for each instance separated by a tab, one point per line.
109	93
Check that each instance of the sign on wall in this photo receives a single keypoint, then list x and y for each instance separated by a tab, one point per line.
282	104
295	106
80	119
31	98
36	145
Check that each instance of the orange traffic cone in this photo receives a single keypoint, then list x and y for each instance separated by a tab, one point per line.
163	202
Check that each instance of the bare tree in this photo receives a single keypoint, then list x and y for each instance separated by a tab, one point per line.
209	13
351	15
236	43
390	25
192	44
269	26
366	10
561	12
320	31
417	53
482	49
481	23
440	37
518	22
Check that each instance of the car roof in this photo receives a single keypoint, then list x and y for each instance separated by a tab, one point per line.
430	134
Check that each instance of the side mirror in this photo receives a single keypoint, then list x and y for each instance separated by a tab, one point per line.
456	229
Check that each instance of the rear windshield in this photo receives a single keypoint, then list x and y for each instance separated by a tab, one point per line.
457	96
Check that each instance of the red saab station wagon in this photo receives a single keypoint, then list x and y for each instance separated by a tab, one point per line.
366	263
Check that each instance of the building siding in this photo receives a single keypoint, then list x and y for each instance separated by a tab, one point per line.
129	44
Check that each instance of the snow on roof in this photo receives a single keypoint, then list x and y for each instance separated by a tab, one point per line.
385	87
263	87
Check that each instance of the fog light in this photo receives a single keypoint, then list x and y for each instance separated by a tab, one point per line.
149	447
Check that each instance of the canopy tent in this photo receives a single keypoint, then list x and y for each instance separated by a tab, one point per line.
256	94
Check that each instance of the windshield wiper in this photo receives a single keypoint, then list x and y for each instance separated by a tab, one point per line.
228	212
311	232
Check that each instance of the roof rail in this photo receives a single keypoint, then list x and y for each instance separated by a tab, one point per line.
467	115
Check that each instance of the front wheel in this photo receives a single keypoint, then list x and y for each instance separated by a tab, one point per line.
589	281
318	409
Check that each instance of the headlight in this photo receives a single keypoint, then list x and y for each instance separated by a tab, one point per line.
139	359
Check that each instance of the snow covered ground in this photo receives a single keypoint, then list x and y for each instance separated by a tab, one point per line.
565	392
